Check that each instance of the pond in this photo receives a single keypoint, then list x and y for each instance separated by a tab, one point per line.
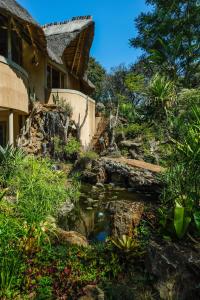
91	216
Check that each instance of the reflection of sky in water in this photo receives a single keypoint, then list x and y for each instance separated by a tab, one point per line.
101	236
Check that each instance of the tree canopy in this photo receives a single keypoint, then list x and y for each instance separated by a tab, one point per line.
170	36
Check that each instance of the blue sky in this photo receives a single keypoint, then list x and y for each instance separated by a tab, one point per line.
114	24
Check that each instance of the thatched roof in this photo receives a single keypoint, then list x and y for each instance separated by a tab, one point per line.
70	42
12	8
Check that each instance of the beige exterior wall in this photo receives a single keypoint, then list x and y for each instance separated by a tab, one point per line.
78	101
37	73
13	86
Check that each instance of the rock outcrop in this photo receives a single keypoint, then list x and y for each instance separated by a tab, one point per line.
71	237
125	217
177	269
107	170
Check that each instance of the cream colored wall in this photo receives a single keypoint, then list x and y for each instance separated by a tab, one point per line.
13	86
37	74
78	101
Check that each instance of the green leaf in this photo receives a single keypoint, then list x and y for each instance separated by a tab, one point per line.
181	222
196	216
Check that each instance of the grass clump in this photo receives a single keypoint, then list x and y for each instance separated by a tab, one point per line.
39	189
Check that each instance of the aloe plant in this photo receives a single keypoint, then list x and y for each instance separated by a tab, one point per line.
126	243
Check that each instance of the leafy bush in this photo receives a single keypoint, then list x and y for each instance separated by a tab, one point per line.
90	155
73	147
130	130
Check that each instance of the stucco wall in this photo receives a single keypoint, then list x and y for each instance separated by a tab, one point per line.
13	86
78	101
37	73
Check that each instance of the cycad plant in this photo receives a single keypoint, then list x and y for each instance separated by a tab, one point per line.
161	95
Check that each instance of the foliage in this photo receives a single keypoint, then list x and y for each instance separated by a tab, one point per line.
183	177
26	225
161	96
96	74
73	147
169	35
130	130
135	82
39	189
90	155
10	159
126	243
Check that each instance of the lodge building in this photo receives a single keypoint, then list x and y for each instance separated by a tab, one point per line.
37	62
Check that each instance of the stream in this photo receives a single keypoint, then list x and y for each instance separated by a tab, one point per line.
91	216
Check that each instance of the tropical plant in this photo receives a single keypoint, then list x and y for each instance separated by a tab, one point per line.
161	96
183	177
126	243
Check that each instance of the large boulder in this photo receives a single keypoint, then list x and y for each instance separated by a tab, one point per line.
92	171
177	269
132	177
125	217
71	237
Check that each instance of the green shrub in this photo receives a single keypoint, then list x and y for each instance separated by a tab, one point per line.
90	155
73	147
130	130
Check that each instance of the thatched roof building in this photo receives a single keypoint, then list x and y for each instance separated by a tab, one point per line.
29	26
70	42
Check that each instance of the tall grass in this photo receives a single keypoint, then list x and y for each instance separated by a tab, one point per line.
40	190
37	192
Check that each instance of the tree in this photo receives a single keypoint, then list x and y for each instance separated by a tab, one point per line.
96	73
170	37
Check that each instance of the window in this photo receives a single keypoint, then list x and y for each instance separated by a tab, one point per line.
16	43
48	77
62	81
55	78
3	36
